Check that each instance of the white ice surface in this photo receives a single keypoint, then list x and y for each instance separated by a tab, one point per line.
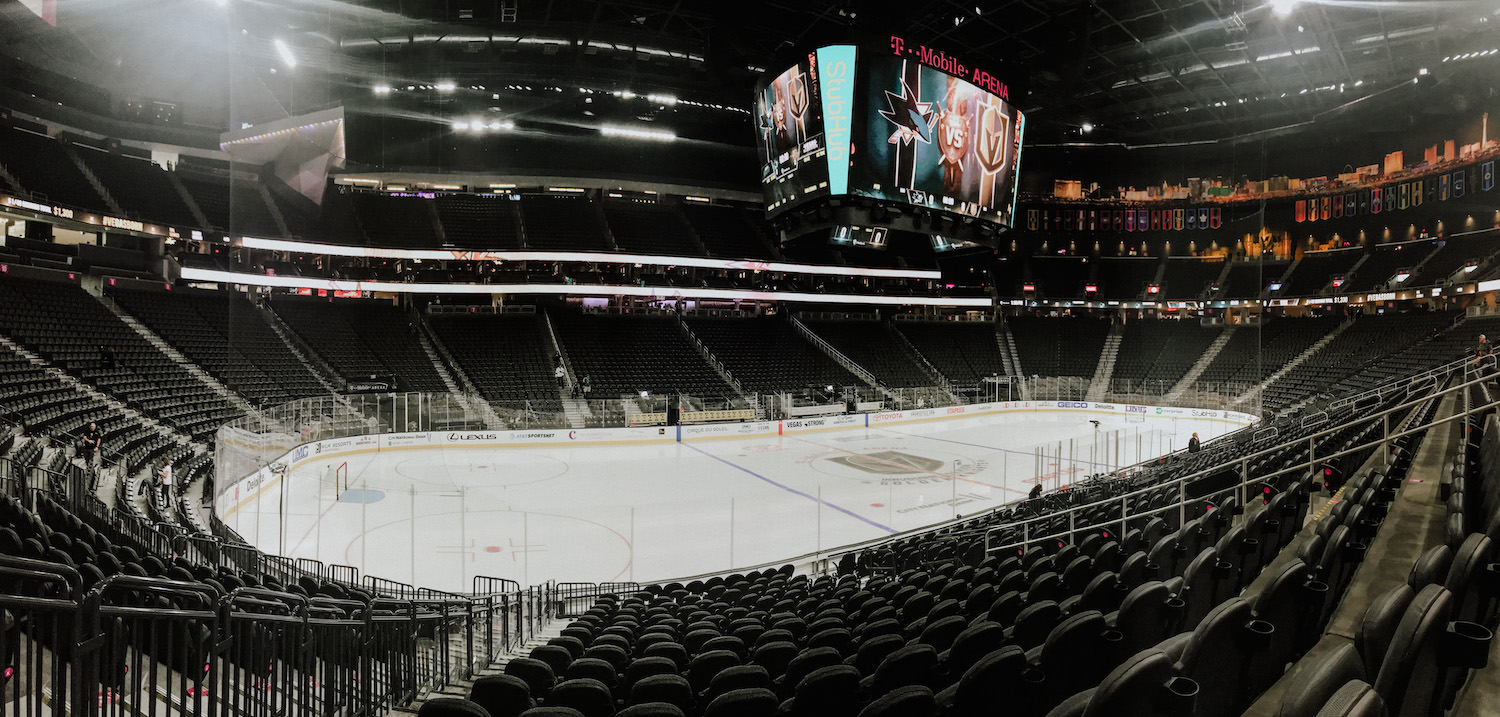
438	516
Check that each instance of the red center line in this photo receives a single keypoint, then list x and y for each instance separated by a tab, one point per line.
896	463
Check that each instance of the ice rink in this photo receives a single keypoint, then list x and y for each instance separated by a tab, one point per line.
437	516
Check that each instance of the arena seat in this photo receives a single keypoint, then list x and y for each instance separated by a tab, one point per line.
502	695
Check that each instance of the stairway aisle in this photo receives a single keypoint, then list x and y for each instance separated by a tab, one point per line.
1207	358
1099	386
1255	393
177	357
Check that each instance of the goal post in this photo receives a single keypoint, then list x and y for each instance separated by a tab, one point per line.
339	473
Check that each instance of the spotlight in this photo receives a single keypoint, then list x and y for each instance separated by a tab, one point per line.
1283	8
633	133
1087	127
285	51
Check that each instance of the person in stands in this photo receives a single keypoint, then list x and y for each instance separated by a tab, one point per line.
164	482
1036	492
1194	445
588	385
561	373
91	442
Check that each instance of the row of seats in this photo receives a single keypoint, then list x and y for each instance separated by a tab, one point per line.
957	637
360	339
229	337
506	356
1058	346
766	354
964	352
876	347
1370	340
1043	607
1244	643
624	355
68	327
1254	352
1155	354
1417	641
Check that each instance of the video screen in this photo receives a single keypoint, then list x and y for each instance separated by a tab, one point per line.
789	122
941	243
934	140
867	237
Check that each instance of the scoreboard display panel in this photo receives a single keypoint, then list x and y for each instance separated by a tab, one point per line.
895	122
789	115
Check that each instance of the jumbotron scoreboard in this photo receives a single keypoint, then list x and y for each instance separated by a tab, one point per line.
897	125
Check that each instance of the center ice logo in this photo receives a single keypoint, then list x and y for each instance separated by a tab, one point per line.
889	463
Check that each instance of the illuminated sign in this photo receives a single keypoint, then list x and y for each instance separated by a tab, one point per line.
944	62
836	66
33	206
655	292
52	209
127	224
598	257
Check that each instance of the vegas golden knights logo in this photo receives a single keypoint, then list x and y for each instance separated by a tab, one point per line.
889	463
991	148
797	102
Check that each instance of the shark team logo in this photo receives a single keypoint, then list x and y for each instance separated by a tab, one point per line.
912	118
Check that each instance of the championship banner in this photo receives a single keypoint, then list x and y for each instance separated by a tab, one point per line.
1487	175
1458	183
1192	219
1129	220
1338	207
1416	193
1081	219
1432	189
1301	211
1215	218
1327	213
1143	222
1349	205
1203	217
1177	219
1443	187
1155	220
1364	201
1031	219
1375	200
1093	219
1403	196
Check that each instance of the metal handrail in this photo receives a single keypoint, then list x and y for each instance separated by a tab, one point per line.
1406	380
1245	481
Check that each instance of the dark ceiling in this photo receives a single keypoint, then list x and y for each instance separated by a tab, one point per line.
1139	72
